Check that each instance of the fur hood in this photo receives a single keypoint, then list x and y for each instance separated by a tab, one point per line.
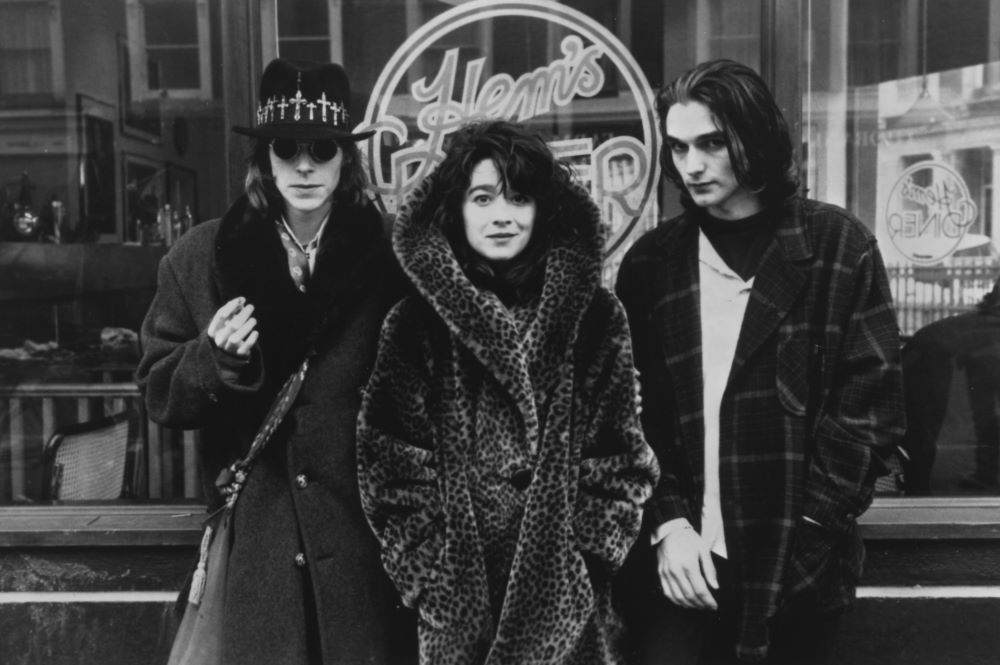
476	316
578	244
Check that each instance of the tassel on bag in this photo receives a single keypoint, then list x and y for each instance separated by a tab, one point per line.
198	579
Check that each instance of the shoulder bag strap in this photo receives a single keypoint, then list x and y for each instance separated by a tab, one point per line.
231	479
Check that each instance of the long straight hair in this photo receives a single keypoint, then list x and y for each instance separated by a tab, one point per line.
265	197
755	130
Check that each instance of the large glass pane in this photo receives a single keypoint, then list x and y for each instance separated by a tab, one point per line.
420	67
112	143
901	126
102	168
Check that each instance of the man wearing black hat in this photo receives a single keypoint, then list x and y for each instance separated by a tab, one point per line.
298	267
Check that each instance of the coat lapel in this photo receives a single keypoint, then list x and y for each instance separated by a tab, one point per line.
777	286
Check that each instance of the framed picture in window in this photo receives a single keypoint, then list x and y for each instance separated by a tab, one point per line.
145	193
138	118
96	176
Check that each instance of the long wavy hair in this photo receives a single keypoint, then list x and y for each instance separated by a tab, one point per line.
527	166
265	197
755	130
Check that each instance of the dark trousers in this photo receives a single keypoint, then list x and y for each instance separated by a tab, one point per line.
666	634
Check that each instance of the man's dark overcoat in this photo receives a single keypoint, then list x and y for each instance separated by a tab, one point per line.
502	464
813	400
302	495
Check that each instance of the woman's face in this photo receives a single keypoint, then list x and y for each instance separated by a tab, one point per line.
498	224
306	185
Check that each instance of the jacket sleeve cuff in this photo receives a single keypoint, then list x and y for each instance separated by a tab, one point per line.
238	373
662	509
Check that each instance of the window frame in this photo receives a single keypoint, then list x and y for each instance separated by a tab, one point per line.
136	40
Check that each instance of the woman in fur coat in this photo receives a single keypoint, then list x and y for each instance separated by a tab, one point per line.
298	267
501	461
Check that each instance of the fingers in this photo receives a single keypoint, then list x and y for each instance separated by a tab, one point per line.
233	328
685	576
710	580
224	313
244	348
708	568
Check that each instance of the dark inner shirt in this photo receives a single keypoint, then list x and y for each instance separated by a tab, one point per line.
740	243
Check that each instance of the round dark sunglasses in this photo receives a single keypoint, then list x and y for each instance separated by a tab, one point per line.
321	151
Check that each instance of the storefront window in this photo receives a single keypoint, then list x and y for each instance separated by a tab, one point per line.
110	124
901	126
114	141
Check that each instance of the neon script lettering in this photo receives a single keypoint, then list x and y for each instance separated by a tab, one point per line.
948	210
577	73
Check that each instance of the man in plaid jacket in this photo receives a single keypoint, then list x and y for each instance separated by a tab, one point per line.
768	353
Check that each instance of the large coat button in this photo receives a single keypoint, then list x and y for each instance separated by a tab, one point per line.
521	478
300	559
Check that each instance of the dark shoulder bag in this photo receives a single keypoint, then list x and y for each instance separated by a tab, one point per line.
199	637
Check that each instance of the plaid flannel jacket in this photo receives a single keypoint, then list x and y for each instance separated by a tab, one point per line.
814	399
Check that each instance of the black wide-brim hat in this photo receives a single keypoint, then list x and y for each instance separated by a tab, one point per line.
303	100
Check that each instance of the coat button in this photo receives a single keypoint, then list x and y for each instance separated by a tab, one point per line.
300	559
521	478
301	481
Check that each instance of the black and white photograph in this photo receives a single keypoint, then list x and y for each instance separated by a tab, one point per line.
499	332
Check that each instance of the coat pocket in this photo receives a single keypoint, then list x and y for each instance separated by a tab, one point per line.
814	550
824	568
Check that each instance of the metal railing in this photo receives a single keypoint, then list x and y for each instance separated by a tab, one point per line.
924	294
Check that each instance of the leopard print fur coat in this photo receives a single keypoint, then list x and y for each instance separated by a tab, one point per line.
501	460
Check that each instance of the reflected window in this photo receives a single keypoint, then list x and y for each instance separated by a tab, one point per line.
169	46
29	63
304	29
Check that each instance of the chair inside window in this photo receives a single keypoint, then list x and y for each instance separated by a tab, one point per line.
87	461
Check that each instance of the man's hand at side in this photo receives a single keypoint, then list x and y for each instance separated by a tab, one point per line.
684	563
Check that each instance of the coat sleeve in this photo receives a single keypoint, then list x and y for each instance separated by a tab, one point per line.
183	375
667	501
618	470
862	416
397	467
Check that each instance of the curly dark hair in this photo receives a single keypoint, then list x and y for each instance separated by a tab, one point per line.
756	132
265	197
526	166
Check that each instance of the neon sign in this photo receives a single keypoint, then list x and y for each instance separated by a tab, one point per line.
929	212
412	119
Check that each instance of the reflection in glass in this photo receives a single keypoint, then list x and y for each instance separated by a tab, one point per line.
110	148
901	123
